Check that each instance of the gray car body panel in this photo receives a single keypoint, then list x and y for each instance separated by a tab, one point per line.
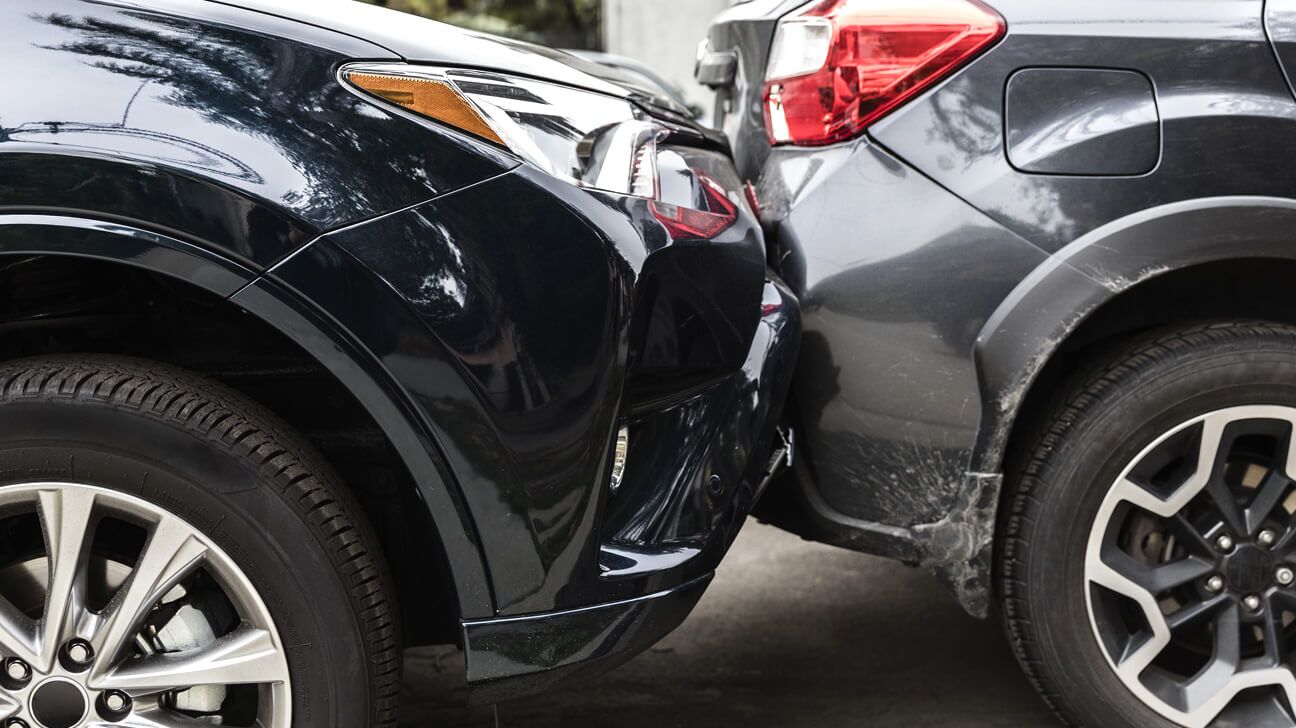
938	279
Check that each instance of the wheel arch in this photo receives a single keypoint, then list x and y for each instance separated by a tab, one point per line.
1135	273
197	268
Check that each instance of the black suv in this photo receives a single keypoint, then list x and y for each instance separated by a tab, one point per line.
1045	255
326	329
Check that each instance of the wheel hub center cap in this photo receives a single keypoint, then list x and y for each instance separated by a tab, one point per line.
58	703
1250	569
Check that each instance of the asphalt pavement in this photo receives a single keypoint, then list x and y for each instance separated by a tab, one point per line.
790	634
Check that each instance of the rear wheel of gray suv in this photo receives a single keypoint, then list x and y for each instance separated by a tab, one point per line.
1148	570
172	555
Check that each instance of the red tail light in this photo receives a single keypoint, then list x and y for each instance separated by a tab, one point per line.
684	222
840	65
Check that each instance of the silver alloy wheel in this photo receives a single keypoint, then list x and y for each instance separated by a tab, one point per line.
125	666
1185	561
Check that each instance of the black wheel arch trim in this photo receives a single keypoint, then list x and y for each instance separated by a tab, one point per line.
281	308
60	234
1036	319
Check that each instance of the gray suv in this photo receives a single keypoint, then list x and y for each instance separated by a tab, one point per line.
1045	253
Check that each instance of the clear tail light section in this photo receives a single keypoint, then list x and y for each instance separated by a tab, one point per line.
683	222
838	66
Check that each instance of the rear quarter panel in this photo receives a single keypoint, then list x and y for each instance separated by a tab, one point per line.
925	264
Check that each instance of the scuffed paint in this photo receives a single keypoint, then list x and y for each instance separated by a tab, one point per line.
1011	397
959	547
1118	283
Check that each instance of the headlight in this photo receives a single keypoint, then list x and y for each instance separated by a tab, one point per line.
584	137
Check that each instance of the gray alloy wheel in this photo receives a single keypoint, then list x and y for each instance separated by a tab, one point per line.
1191	564
121	613
1147	562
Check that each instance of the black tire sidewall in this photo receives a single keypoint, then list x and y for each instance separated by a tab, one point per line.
228	500
1093	449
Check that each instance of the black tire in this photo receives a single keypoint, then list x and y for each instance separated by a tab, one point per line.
1056	488
243	478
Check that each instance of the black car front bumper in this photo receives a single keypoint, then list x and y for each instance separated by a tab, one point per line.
528	321
710	458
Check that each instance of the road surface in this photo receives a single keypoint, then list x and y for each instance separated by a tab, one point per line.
790	634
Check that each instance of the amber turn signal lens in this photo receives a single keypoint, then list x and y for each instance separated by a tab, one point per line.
427	97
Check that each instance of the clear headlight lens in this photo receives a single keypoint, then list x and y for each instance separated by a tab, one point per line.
586	138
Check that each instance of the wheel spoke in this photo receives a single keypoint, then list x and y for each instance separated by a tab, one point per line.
1158	579
155	718
1212	680
1188	535
172	553
18	637
1196	612
65	517
1127	490
245	656
1211	463
8	706
1275	637
1222	496
1133	663
1267	497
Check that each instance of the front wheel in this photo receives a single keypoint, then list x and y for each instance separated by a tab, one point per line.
1148	571
173	556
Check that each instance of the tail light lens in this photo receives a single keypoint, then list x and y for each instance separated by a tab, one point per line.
693	222
837	66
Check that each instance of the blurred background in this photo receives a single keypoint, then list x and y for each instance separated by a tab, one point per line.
662	35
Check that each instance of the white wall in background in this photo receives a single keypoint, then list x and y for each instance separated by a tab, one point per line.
664	34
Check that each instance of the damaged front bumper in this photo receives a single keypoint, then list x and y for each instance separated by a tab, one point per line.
698	465
530	323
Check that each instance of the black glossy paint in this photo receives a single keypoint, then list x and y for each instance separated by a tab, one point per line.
943	259
497	367
206	130
497	324
534	314
421	40
580	642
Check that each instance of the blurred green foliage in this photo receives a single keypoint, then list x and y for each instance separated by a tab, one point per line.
561	23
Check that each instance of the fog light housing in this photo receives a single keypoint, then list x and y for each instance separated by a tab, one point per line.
619	454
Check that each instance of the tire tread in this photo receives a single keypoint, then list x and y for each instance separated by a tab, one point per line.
1089	390
227	420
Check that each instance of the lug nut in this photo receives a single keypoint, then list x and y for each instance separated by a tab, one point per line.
1266	538
79	653
1215	583
1252	602
15	723
17	670
1284	575
1224	542
116	701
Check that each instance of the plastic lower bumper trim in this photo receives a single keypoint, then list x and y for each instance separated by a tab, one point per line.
517	656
